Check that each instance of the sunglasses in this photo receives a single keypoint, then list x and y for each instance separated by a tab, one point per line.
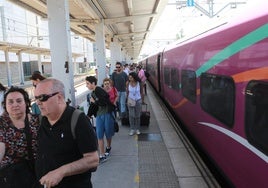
45	97
118	67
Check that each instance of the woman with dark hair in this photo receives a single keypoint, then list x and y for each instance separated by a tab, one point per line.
134	102
36	78
2	92
18	140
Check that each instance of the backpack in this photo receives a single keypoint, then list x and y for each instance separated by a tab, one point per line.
74	119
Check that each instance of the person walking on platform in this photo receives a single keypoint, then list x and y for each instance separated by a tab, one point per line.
104	120
134	102
120	80
62	159
18	140
126	69
143	78
111	90
36	78
113	96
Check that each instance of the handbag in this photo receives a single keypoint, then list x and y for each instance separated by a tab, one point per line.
20	174
131	102
116	126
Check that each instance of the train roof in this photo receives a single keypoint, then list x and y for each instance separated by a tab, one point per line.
252	10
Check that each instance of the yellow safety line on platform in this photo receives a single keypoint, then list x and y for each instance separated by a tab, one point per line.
137	178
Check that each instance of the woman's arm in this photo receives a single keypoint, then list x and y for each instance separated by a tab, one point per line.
2	150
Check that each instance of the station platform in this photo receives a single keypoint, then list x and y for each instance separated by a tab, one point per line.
160	157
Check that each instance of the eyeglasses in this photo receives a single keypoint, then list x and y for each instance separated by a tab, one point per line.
118	67
45	97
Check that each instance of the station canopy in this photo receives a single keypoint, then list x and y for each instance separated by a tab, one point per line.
128	21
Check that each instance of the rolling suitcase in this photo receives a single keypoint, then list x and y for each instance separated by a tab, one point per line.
145	116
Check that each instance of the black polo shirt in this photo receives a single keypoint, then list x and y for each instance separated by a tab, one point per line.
56	147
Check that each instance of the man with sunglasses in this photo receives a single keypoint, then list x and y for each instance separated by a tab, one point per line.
63	161
120	80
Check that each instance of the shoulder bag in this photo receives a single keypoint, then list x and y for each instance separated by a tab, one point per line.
131	102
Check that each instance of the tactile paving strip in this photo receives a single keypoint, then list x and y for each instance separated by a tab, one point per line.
155	167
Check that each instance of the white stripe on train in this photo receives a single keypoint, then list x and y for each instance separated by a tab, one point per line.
238	138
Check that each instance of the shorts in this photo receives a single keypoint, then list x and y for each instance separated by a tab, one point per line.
105	126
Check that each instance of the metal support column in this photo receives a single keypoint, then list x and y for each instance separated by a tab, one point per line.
60	44
100	52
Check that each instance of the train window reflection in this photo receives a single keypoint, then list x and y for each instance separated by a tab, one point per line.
217	97
256	114
150	69
188	81
167	76
175	82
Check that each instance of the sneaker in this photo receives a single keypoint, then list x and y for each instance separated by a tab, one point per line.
138	132
131	132
103	159
107	151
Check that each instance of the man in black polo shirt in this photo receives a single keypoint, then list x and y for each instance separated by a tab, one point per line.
62	160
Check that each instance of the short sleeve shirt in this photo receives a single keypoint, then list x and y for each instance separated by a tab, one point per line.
56	146
15	139
120	80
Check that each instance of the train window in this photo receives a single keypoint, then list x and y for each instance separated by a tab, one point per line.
188	82
217	97
256	114
150	68
175	82
167	76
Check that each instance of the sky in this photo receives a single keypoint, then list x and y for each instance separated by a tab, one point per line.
177	20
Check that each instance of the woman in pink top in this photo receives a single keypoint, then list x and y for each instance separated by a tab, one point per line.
143	79
111	90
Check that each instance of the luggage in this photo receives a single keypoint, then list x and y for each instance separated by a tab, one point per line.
145	116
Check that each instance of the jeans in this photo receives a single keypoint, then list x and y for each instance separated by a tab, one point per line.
135	115
122	102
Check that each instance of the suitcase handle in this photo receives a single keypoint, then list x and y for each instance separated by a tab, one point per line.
144	104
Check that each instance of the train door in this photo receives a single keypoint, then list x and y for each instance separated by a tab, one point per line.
159	74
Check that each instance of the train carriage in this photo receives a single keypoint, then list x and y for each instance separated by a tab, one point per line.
217	84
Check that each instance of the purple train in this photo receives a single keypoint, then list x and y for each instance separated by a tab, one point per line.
217	84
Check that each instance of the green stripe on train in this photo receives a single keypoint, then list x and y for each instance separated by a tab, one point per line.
244	42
